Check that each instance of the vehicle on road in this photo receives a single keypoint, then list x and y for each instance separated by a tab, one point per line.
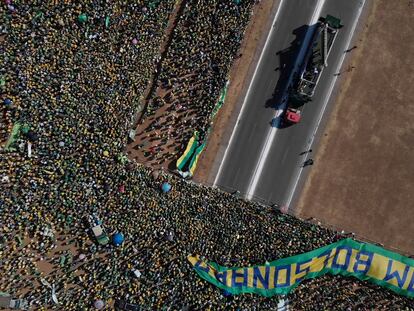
292	116
315	60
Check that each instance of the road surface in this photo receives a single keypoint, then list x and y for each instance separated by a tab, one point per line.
262	162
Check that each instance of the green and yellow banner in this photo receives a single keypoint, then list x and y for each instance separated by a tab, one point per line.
189	159
194	160
191	147
347	257
220	101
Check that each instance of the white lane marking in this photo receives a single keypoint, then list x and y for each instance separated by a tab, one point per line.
326	100
247	94
272	132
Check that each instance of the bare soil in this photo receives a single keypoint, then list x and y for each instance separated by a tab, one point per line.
363	177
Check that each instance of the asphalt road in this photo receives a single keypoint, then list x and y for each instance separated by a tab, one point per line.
262	162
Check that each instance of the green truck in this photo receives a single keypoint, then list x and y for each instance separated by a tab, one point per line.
316	58
97	230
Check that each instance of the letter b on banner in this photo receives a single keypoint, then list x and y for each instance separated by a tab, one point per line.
363	262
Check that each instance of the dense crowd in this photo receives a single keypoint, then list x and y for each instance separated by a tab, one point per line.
194	69
74	74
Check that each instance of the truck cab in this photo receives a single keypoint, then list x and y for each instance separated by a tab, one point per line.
292	116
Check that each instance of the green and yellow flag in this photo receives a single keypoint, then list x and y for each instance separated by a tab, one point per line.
220	101
191	147
194	160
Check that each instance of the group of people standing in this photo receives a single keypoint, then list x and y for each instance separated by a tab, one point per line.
73	75
204	41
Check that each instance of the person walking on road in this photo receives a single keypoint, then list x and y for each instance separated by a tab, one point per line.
305	152
308	162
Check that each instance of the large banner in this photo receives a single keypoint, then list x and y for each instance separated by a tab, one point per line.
347	257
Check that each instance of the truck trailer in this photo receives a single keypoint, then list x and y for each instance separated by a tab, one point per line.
310	71
316	58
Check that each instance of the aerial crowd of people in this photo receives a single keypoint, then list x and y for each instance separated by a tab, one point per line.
73	75
194	69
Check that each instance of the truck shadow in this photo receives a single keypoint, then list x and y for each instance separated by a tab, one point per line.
287	59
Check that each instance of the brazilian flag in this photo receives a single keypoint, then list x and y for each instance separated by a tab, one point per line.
189	151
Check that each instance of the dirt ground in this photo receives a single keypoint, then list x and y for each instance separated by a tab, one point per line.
363	177
240	75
